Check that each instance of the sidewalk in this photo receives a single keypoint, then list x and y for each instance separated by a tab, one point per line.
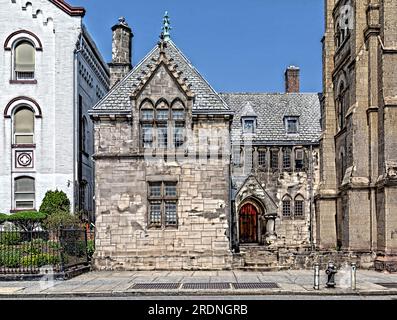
198	283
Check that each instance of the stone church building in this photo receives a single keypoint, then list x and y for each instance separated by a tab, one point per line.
188	178
356	204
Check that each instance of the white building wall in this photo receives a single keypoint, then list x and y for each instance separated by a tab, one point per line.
55	156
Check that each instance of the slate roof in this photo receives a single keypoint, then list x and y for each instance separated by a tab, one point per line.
271	109
206	99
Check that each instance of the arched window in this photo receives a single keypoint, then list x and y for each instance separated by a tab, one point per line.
24	60
178	119
299	205
287	206
162	119
84	135
341	106
24	193
23	126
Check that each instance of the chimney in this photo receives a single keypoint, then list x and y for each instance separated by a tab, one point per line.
292	79
121	51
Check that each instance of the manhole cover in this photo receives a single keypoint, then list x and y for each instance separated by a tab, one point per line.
256	285
155	286
204	286
390	285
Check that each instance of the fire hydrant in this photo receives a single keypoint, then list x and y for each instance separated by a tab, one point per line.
331	270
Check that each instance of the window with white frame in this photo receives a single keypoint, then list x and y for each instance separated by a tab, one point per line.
24	193
162	199
24	126
24	60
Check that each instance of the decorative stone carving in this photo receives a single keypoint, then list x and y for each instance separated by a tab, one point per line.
391	169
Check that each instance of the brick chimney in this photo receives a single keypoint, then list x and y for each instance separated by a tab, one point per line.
292	79
121	51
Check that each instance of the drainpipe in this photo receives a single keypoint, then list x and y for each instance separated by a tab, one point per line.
311	197
76	119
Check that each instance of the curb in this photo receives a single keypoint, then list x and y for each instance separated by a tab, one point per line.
181	293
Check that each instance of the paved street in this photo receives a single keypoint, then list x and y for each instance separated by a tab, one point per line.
201	284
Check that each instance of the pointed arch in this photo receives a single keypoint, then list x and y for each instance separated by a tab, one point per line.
160	101
299	206
287	206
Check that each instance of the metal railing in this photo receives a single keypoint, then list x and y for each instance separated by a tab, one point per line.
24	75
26	252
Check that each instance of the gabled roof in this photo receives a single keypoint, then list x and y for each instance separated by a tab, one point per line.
248	110
271	110
206	98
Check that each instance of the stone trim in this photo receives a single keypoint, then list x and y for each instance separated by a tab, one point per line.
22	100
21	34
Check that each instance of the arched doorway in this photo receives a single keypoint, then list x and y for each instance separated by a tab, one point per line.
248	223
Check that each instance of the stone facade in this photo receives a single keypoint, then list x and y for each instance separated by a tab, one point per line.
356	206
127	238
69	76
138	156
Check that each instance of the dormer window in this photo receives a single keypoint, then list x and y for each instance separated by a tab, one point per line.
291	125
249	125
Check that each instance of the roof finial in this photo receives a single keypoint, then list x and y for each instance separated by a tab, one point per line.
166	27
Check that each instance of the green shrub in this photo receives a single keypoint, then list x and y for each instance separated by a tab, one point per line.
90	248
27	220
40	260
55	201
35	246
54	245
9	238
3	218
10	258
61	219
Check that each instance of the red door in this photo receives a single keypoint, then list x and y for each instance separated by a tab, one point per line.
248	224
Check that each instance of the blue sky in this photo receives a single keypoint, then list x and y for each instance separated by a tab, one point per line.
237	45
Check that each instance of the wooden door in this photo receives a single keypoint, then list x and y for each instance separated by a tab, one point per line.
248	219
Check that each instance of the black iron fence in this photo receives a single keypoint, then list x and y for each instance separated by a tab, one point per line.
27	252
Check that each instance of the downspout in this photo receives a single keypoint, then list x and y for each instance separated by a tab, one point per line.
75	121
311	198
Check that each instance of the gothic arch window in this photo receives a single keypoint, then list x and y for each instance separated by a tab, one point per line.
341	105
23	125
299	207
178	121
342	158
287	212
162	123
162	126
337	36
84	134
24	193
